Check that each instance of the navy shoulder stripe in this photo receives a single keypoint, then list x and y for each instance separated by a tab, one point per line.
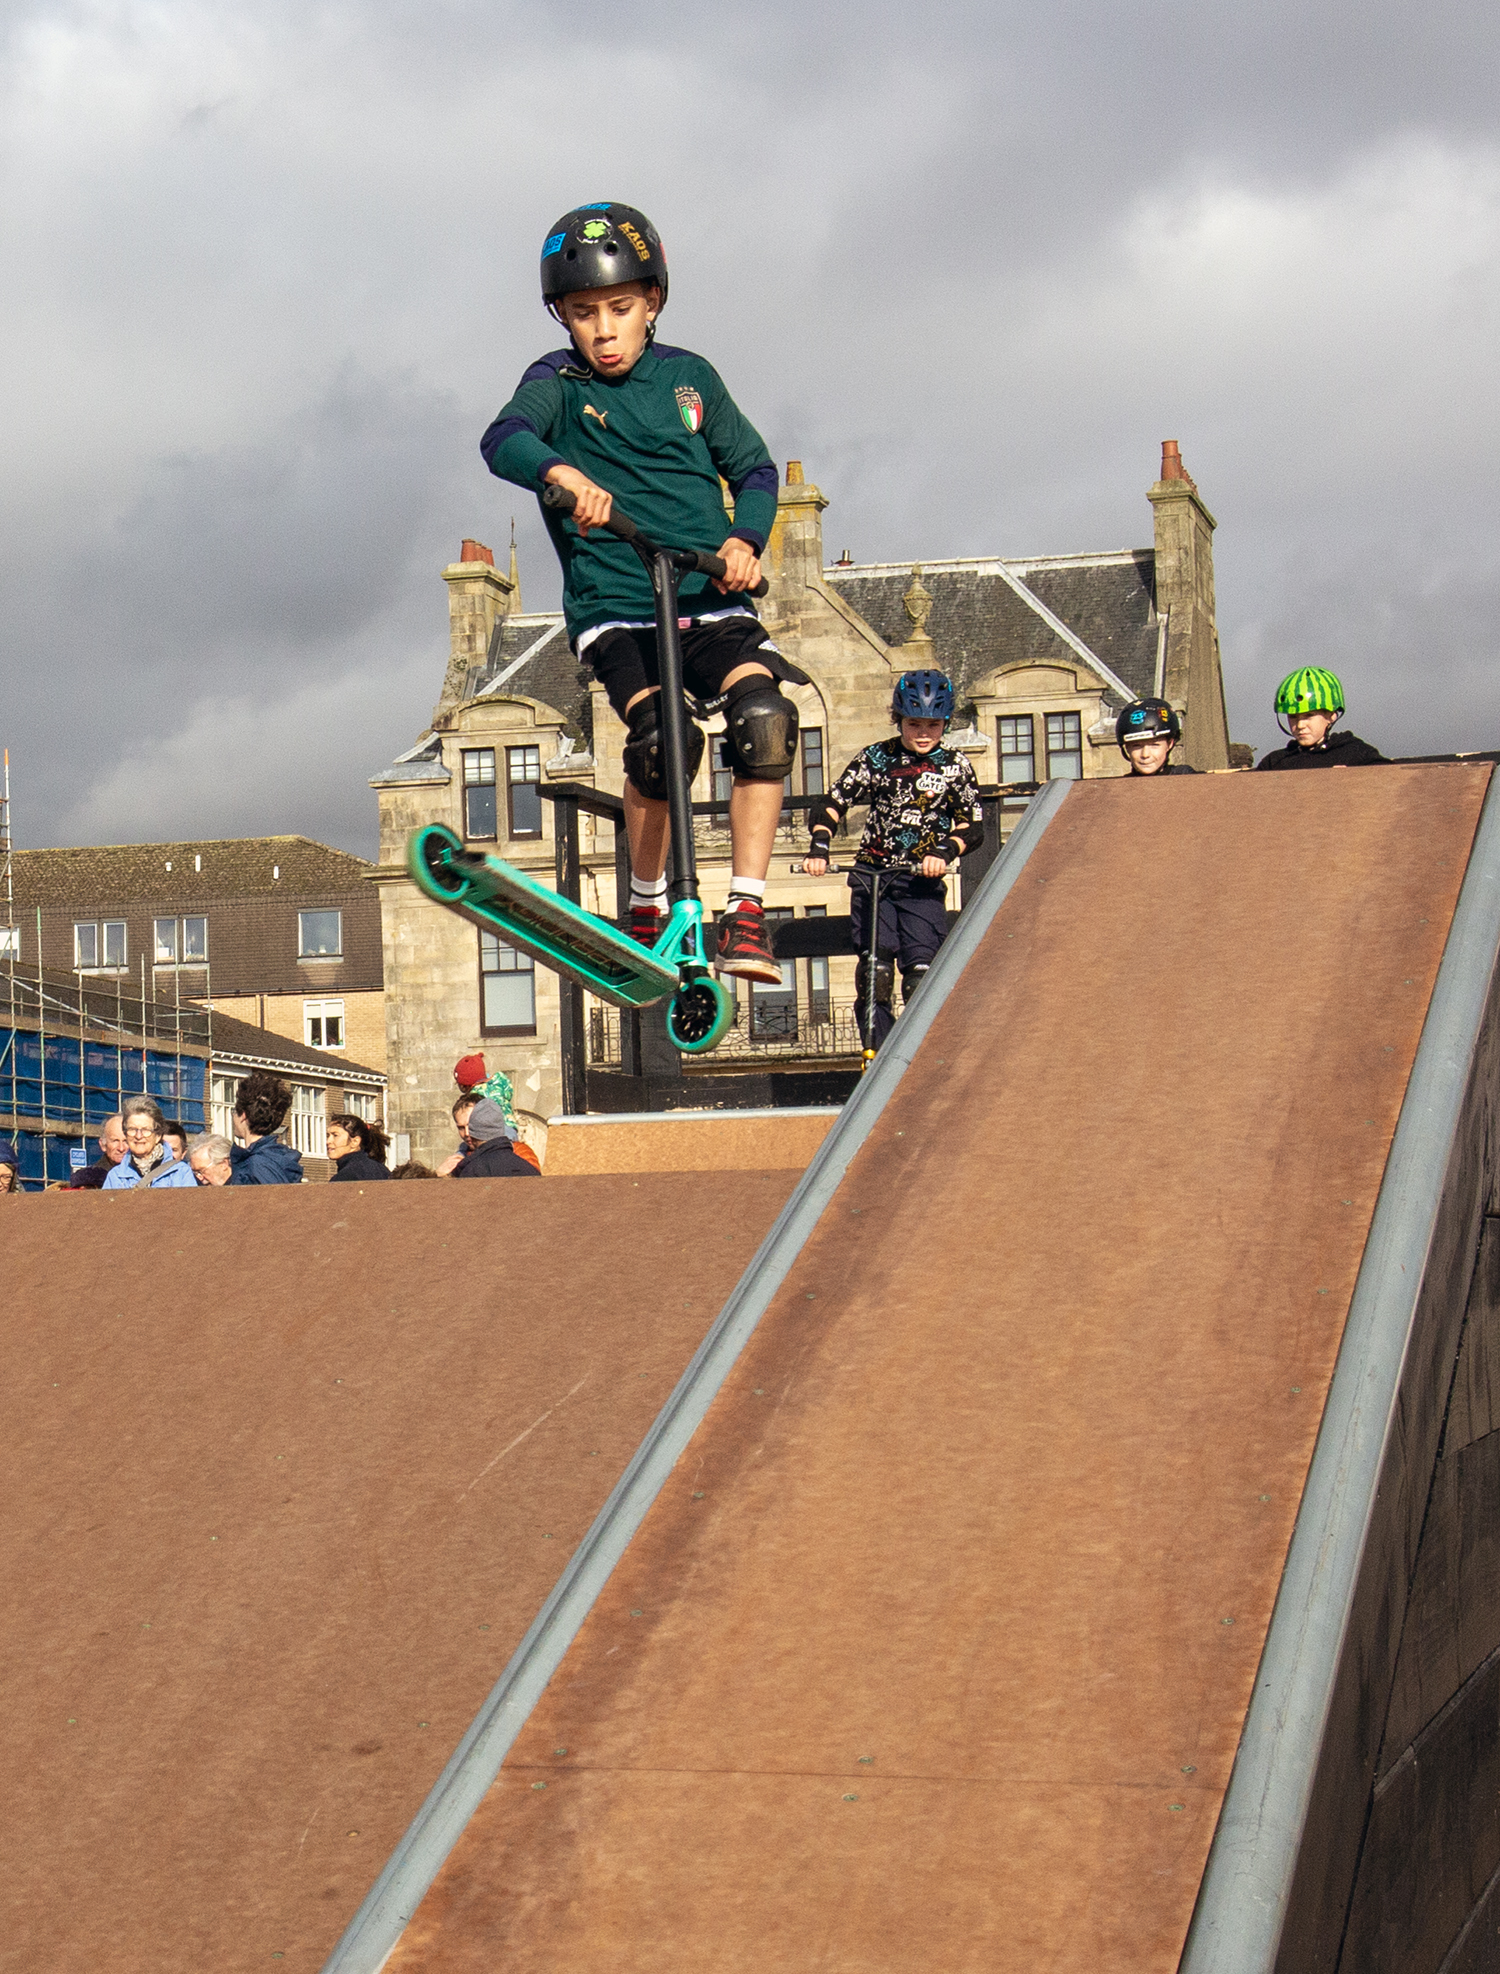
548	366
669	354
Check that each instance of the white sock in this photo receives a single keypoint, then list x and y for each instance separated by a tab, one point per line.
649	891
753	888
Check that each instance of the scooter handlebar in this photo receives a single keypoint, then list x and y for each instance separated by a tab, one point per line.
624	529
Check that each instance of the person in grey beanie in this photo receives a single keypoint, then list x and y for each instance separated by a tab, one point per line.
494	1156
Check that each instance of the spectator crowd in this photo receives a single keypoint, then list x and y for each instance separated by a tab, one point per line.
140	1147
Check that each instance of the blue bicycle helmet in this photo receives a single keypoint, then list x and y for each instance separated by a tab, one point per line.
923	696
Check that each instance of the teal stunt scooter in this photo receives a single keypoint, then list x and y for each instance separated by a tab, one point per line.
500	898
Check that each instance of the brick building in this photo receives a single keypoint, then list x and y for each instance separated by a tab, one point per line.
276	931
1044	652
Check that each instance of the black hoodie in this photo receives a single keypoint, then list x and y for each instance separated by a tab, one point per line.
1339	750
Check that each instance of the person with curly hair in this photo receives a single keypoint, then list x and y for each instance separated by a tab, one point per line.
260	1158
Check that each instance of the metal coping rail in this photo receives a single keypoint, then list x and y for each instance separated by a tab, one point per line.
1237	1924
377	1926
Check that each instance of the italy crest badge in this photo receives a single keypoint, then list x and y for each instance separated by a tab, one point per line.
690	405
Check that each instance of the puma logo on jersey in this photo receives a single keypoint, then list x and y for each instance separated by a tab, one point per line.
589	412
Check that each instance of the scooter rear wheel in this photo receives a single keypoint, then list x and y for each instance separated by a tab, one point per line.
699	1016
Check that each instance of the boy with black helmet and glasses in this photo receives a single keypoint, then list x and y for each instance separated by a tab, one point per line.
619	416
924	813
1148	730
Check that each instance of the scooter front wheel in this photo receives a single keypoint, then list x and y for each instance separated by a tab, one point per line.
699	1016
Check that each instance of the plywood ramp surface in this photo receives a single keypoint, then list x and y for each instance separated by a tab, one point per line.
935	1649
287	1475
687	1141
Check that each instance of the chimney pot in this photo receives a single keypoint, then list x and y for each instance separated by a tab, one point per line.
1171	460
794	473
475	551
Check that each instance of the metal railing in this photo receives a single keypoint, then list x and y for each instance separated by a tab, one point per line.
773	1034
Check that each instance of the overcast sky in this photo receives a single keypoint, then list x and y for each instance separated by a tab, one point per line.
270	271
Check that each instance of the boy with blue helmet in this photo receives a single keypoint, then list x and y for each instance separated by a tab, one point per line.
924	813
617	415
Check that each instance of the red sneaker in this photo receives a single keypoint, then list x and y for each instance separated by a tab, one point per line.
743	946
645	924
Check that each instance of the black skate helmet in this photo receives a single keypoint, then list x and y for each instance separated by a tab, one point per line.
600	246
922	696
1147	719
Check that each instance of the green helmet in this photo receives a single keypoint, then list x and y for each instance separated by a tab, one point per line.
1309	690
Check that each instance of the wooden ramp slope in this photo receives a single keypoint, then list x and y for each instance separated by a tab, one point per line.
287	1474
939	1634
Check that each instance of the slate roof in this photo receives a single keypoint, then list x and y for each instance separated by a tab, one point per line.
231	867
978	621
530	655
241	1041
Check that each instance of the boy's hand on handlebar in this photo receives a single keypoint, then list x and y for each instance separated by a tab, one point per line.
934	866
741	566
815	866
593	503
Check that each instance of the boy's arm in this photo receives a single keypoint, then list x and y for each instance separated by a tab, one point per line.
516	446
968	816
853	785
739	453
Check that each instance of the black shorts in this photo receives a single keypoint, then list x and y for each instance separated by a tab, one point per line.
624	660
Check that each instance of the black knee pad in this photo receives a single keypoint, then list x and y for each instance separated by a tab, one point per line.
885	981
645	767
911	979
760	729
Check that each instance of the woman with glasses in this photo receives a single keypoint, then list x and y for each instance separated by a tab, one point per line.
10	1168
147	1161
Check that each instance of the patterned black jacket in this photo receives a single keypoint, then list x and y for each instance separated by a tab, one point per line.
921	805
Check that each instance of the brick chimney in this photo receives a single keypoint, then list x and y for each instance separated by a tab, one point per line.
478	595
1191	678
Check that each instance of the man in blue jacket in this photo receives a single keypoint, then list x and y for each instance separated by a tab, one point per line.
260	1158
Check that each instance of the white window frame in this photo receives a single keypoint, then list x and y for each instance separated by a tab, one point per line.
324	1011
221	1098
307	1121
10	942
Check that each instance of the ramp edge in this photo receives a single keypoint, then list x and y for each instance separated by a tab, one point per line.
372	1934
1238	1920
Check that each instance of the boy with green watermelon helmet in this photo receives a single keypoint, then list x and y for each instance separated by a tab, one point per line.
618	415
1309	703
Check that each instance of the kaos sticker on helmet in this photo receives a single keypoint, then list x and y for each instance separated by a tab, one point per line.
690	405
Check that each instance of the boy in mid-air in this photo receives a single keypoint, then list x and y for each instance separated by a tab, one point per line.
1309	703
924	814
617	415
1147	731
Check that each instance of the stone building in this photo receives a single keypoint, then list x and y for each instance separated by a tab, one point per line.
1044	652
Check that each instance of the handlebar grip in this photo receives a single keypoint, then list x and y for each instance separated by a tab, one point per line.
713	565
562	502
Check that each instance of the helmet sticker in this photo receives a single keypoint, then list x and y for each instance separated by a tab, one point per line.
594	229
642	250
554	244
690	405
596	205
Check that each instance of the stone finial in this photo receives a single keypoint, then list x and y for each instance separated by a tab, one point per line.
513	601
475	551
794	473
1172	467
917	603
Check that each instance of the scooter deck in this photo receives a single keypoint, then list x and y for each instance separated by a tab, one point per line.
561	935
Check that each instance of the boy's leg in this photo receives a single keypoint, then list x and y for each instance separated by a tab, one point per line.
885	972
922	926
761	738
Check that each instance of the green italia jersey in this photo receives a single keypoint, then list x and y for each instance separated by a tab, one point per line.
658	439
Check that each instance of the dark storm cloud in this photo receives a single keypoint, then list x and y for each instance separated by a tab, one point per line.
270	274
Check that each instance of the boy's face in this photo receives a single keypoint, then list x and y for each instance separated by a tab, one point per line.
1149	756
921	736
1310	729
609	325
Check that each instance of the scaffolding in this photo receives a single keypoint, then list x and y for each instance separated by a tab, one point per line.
73	1045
